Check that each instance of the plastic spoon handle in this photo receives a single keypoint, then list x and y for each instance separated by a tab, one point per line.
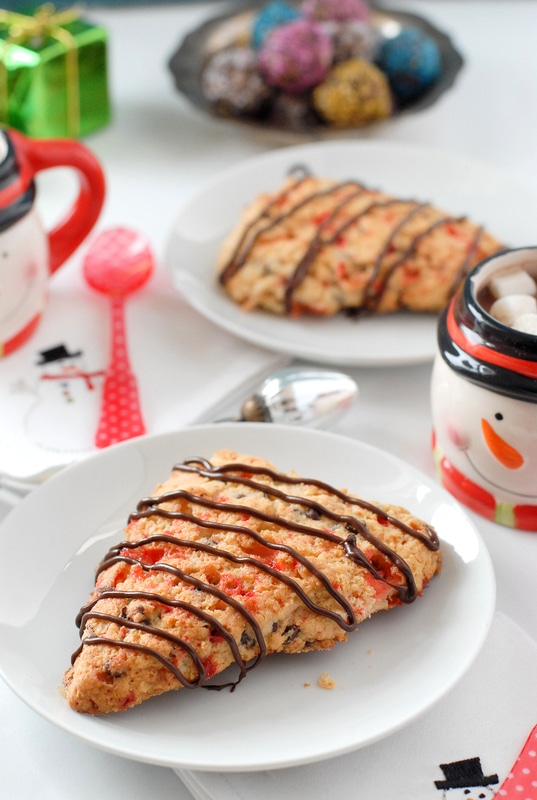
118	263
121	416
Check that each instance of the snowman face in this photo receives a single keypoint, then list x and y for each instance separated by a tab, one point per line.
65	367
471	793
23	274
489	438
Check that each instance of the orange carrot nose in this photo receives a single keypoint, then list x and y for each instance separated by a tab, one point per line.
499	448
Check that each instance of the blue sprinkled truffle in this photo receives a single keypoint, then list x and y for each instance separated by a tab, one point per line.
411	61
270	17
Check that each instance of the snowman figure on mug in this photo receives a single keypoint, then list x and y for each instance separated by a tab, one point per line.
484	391
29	254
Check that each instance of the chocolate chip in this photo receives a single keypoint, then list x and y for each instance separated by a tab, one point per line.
247	639
109	675
292	632
312	513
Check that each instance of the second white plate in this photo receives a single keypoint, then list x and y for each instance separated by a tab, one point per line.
457	185
390	671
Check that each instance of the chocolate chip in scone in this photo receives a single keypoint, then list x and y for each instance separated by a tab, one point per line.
292	632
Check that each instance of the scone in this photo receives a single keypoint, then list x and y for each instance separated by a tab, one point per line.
320	246
228	562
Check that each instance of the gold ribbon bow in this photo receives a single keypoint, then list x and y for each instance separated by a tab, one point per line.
45	23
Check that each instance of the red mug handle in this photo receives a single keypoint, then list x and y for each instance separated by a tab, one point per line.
35	155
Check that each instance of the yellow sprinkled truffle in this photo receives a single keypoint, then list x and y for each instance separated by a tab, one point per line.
354	93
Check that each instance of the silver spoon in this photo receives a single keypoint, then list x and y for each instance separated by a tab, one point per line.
300	396
291	396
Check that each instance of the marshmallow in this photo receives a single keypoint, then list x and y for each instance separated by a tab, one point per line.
527	323
508	308
516	282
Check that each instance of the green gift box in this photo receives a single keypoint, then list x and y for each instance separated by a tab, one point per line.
53	73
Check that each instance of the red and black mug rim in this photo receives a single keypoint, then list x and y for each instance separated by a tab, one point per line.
482	349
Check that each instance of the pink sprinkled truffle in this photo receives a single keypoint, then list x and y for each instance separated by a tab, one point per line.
338	10
296	56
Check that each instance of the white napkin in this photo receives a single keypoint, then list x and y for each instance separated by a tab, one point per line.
483	723
184	364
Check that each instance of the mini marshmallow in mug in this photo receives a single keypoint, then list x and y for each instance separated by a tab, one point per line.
484	394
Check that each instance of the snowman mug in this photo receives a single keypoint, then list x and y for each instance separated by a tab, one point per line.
484	396
28	253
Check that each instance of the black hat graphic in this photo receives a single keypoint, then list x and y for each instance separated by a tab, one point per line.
460	774
56	354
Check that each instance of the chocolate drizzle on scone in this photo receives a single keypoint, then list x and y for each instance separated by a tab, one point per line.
362	260
251	236
194	510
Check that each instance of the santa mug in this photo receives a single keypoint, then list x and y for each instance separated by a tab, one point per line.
28	253
484	390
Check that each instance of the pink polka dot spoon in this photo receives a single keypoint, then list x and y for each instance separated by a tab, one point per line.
118	262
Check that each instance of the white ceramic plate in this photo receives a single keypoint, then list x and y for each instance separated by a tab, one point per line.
457	185
388	673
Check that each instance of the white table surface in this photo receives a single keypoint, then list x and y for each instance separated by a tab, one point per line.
157	151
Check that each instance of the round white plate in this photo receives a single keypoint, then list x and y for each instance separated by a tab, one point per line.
456	185
389	672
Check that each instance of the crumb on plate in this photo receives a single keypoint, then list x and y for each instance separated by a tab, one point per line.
326	681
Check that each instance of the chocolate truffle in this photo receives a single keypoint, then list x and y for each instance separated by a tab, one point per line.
340	10
353	39
354	93
293	112
231	80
